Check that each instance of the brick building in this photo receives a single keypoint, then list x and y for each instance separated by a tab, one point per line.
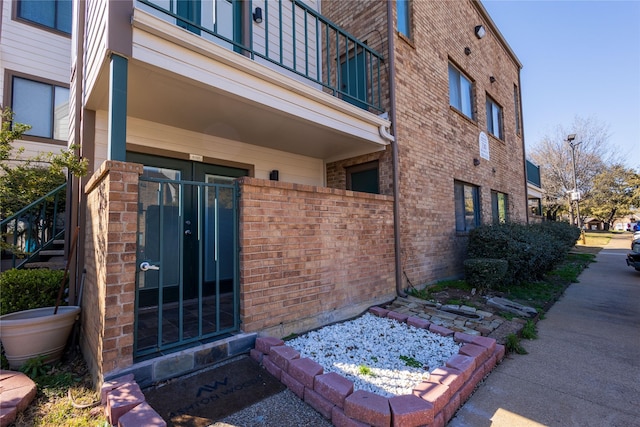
272	167
460	161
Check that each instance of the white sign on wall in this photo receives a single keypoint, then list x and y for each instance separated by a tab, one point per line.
483	140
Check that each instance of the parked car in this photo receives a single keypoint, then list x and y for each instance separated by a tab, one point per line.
633	257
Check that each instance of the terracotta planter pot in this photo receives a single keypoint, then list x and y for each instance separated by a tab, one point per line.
38	332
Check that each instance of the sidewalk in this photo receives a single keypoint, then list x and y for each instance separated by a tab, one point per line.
584	368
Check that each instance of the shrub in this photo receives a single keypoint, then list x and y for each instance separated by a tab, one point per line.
27	289
565	234
485	273
531	250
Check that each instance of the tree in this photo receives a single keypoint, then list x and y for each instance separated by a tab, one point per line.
24	180
614	193
554	156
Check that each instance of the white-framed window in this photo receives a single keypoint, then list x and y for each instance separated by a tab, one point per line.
460	91
499	207
42	105
494	118
53	14
467	202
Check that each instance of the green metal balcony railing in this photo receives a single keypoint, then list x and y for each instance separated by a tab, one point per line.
292	36
35	227
533	174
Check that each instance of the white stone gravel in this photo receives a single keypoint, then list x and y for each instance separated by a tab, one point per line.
375	345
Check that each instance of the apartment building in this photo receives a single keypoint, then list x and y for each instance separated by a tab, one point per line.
268	167
35	61
457	122
534	192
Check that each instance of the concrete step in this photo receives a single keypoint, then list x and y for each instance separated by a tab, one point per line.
50	265
52	252
58	242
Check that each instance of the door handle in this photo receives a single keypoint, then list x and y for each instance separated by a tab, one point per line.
145	266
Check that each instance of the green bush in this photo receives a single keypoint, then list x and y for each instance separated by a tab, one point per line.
531	250
27	289
564	233
485	273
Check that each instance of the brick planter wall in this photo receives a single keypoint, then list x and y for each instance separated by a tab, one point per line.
310	256
110	256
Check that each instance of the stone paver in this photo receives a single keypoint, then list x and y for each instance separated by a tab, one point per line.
16	392
458	318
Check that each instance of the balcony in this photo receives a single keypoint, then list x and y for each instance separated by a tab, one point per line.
533	174
294	82
289	35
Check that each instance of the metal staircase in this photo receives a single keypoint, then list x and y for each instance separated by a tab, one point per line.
35	233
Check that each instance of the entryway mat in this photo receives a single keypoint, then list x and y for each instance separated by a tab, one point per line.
201	399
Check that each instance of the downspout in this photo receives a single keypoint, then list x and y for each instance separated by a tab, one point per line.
524	152
394	148
74	191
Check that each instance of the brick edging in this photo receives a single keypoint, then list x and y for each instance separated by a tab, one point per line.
433	402
125	405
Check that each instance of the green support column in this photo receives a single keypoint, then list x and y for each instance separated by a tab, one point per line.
117	108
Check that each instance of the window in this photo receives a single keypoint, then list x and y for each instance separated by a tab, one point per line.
535	206
55	14
460	92
494	118
43	106
516	103
403	18
364	178
467	200
499	207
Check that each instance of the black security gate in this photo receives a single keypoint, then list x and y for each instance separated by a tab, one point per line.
187	258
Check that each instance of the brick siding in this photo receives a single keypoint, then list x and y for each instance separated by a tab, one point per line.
436	144
110	262
310	255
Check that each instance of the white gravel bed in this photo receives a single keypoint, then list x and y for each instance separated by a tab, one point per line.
379	355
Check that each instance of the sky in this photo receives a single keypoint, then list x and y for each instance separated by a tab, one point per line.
580	58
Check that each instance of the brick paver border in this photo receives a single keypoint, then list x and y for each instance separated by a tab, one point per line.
333	396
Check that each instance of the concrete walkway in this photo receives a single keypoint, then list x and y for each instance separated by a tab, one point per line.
584	368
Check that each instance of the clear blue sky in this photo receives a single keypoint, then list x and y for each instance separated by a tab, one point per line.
580	58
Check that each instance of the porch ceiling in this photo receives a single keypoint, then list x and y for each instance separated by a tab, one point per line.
197	85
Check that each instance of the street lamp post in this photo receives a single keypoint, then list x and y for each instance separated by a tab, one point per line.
576	194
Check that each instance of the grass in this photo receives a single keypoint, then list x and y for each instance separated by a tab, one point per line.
513	345
411	362
541	293
65	396
529	330
365	370
596	238
426	293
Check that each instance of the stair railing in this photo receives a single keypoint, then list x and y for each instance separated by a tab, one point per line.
35	227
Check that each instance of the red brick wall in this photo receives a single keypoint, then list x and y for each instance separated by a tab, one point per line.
437	144
110	257
310	256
